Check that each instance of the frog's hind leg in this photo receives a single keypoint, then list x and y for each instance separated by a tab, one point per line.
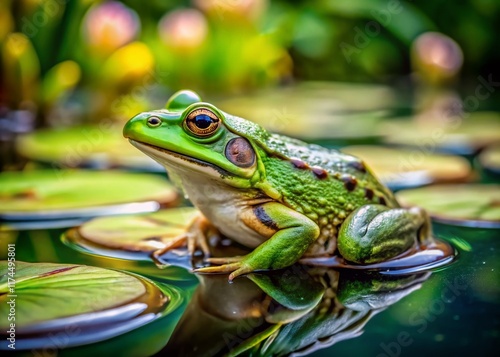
289	234
376	233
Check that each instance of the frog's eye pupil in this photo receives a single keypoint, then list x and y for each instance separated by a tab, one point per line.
154	121
202	121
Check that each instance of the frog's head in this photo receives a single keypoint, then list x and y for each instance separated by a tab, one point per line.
198	138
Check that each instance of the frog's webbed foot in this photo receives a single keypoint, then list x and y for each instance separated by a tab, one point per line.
234	265
195	237
376	233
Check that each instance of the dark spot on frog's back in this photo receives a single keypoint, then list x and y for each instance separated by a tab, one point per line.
298	163
263	217
349	182
320	172
369	193
382	201
357	165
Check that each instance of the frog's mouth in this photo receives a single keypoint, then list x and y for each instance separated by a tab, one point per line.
175	159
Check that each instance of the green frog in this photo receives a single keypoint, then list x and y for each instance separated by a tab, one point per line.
279	196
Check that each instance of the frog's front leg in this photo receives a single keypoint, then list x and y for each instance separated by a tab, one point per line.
195	237
376	233
290	233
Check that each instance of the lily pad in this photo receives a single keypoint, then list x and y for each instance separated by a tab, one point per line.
75	193
97	302
403	168
462	135
310	110
475	205
84	146
138	233
490	158
130	240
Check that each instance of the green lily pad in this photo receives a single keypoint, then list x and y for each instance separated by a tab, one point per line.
129	240
144	232
403	168
98	303
75	193
135	237
316	110
455	134
490	158
101	146
467	205
70	290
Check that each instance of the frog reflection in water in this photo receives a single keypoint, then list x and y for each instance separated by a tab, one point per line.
296	312
282	197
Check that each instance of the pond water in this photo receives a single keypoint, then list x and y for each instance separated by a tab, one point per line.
455	312
454	309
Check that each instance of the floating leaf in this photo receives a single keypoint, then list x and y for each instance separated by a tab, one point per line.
127	242
95	303
101	146
145	232
468	205
464	135
406	167
490	158
64	193
51	291
310	110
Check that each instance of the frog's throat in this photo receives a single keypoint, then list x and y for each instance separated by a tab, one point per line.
172	158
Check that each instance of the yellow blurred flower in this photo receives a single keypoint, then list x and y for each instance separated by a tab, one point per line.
248	9
21	68
272	60
129	63
62	77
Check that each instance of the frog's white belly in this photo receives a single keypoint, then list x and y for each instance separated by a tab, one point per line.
220	203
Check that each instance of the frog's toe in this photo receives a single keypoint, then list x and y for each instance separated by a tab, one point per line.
221	269
244	269
236	268
195	241
224	260
177	242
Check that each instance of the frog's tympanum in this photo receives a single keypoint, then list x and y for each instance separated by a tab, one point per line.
291	312
282	197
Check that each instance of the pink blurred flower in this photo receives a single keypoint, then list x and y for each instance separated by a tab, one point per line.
437	56
110	25
183	29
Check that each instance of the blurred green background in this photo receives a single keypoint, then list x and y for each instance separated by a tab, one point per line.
65	62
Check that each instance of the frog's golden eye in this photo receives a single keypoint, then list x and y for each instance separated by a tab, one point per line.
202	122
154	122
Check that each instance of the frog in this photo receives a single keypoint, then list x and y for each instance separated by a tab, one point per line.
282	198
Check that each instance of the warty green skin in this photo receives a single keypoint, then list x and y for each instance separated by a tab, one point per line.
296	199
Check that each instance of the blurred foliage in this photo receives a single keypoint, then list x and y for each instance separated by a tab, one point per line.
84	60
